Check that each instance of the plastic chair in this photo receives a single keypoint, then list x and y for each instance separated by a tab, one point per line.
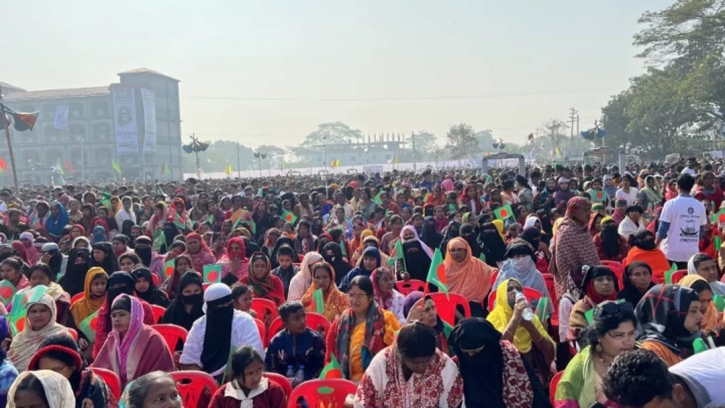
262	328
494	277
172	334
265	307
280	380
157	281
552	387
532	295
678	275
112	380
191	384
328	392
446	306
314	321
158	312
405	287
76	297
73	334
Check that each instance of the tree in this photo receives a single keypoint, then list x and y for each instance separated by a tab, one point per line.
461	141
332	133
275	154
485	140
425	142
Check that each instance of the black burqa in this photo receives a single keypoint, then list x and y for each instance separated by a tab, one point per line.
128	288
110	263
218	334
468	232
417	261
153	295
491	244
452	231
176	312
74	279
482	373
430	236
336	260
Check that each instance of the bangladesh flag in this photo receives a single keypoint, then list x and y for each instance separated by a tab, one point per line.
668	274
397	254
332	369
318	300
377	199
503	212
213	273
437	273
718	243
596	195
179	222
718	217
169	268
88	326
289	217
16	318
7	291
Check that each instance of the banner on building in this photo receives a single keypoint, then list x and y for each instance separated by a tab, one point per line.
124	115
61	117
149	113
375	168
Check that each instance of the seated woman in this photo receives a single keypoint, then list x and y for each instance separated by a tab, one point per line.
234	261
249	387
416	257
422	376
386	295
637	281
609	244
182	263
529	336
599	285
102	255
146	288
149	390
187	307
632	223
76	270
61	354
335	302
490	365
418	308
670	320
613	331
264	285
11	270
645	250
40	324
133	348
128	261
41	274
519	264
49	388
370	261
303	279
705	266
361	331
367	242
711	321
467	276
94	295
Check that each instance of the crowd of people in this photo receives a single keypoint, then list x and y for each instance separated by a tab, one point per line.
571	287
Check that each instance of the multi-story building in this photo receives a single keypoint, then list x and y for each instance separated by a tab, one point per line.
377	150
86	129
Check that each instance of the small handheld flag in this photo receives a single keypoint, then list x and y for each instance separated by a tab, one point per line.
289	217
7	291
699	345
542	309
319	299
503	212
596	195
718	243
397	254
88	326
377	198
332	369
719	303
213	273
668	274
437	273
116	166
718	217
169	268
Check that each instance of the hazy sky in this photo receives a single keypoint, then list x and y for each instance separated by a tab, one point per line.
509	65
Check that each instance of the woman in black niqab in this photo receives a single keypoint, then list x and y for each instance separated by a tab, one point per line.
492	244
453	230
430	236
336	260
73	281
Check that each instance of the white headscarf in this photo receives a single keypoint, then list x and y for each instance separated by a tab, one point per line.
57	389
303	279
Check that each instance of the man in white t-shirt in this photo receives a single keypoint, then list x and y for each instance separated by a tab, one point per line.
691	168
682	223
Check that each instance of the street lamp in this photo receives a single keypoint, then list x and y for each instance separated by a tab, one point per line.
259	156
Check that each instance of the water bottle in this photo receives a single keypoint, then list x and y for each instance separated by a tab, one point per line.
528	314
300	376
290	373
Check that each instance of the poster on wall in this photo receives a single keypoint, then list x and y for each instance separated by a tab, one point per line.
124	115
149	113
61	117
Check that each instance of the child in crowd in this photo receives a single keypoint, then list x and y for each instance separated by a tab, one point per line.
297	346
242	299
286	269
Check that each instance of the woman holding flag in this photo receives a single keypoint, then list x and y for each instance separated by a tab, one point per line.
94	295
467	276
332	303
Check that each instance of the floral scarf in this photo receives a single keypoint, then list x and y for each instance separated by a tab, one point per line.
374	334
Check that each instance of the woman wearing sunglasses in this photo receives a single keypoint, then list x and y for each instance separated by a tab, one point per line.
613	331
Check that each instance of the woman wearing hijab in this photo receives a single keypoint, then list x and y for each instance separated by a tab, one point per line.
492	366
430	236
99	233
332	253
705	266
146	288
572	247
264	285
40	324
416	258
651	194
303	279
94	295
468	233
119	283
277	245
235	262
493	246
360	247
335	302
182	263
467	276
57	220
61	351
520	265
599	285
595	223
102	256
529	336
417	307
452	231
20	251
41	275
386	295
637	281
611	246
645	250
76	269
32	256
187	307
133	349
43	385
370	262
711	320
199	252
670	320
8	373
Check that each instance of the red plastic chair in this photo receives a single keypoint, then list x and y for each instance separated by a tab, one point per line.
678	275
314	321
262	328
405	287
111	379
446	306
552	387
494	276
158	312
328	392
265	307
77	297
157	281
280	380
172	334
73	333
191	384
531	294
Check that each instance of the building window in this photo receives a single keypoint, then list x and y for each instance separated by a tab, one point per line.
51	134
47	112
101	131
77	131
29	158
99	109
75	110
102	155
53	156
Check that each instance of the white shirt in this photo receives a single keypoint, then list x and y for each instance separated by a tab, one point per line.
124	215
244	333
704	375
630	198
685	216
689	171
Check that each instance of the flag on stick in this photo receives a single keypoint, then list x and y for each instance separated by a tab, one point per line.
289	217
668	274
169	268
116	166
213	273
7	291
502	213
332	369
88	326
319	300
437	273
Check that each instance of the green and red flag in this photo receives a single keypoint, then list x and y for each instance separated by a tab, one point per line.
377	198
718	243
289	217
318	300
169	268
503	212
213	273
332	369
668	274
16	318
596	195
88	326
437	273
397	254
7	291
718	217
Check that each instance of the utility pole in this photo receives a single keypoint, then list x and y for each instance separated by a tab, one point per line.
10	146
415	153
239	163
572	118
195	141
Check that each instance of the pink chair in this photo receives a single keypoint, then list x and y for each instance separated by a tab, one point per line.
446	306
328	393
191	385
405	287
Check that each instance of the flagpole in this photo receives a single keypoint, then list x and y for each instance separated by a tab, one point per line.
10	146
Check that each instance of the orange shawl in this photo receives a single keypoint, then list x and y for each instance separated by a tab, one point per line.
335	301
655	259
711	323
470	278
